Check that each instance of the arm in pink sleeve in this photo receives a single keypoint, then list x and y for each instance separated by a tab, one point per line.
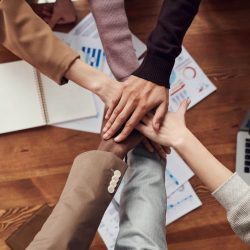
112	24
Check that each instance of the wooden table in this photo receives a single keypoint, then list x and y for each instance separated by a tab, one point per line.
34	163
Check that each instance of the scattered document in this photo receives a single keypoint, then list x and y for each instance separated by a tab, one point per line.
90	50
177	172
181	202
109	226
187	80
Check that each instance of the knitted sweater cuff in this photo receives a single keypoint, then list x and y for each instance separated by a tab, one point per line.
155	69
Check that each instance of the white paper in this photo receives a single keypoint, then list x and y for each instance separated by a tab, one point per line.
90	50
92	125
177	172
187	80
109	226
181	202
67	102
21	104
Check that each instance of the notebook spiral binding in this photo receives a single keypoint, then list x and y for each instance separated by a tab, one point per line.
42	97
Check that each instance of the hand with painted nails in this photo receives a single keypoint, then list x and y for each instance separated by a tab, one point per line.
139	97
173	130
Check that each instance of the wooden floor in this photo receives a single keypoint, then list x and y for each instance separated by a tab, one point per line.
34	164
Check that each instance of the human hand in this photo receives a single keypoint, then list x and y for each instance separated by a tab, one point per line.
138	98
62	12
109	90
173	129
151	146
121	149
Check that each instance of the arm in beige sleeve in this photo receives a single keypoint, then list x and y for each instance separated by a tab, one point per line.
112	24
78	213
230	190
30	38
234	196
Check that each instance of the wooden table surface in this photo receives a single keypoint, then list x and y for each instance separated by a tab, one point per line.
34	163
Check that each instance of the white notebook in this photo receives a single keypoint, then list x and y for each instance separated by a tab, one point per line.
30	99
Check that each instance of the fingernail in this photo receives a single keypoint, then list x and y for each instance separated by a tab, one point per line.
117	139
104	129
105	136
157	126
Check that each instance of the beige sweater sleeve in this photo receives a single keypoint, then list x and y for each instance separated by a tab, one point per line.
234	196
30	38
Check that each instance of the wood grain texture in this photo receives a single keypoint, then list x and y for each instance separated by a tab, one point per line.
34	164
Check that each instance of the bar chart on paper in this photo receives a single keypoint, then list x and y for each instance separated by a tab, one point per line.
95	57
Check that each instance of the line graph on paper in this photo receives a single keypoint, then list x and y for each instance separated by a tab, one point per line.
182	201
179	202
171	181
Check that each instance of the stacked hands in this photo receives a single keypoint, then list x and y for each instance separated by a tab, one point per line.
128	103
137	105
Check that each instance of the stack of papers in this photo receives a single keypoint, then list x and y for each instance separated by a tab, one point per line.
187	81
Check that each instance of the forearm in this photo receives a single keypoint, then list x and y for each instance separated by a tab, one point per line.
164	43
82	203
88	77
210	171
112	24
30	38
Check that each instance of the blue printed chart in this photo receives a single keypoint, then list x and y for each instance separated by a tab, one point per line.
182	201
187	80
95	57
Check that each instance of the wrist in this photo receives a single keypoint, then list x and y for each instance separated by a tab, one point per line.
85	76
181	143
112	147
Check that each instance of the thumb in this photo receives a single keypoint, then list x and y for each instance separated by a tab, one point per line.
184	106
159	116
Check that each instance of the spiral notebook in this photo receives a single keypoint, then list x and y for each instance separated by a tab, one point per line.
30	99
